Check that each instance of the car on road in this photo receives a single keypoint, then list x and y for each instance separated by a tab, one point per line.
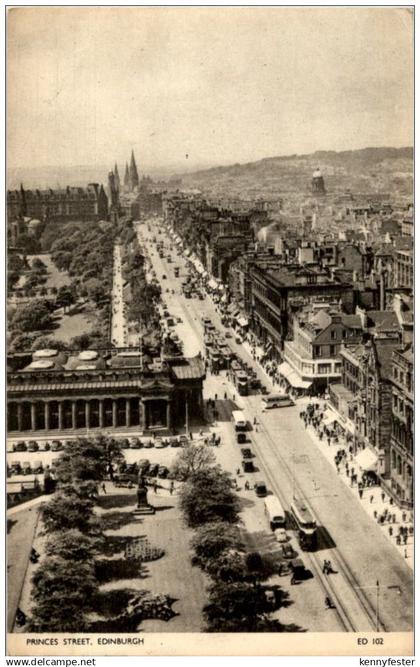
163	472
175	442
19	446
26	468
288	551
134	443
37	467
281	535
163	276
160	443
246	453
248	466
260	489
33	446
183	440
148	444
56	446
241	438
124	443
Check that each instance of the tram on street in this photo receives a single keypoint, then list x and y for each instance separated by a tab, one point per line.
305	523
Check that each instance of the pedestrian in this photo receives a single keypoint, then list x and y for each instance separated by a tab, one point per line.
394	518
375	514
390	531
371	499
225	395
255	420
405	553
360	494
238	471
405	537
329	441
215	397
171	487
398	540
155	487
404	517
191	435
103	487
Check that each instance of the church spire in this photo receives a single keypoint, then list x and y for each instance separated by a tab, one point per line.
116	177
126	178
134	177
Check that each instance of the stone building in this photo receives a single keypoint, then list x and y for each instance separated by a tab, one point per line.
277	294
312	358
402	436
53	392
67	204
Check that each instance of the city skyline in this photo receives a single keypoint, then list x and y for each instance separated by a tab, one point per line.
184	92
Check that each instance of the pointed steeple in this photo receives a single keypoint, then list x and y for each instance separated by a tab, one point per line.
134	177
22	204
116	177
126	178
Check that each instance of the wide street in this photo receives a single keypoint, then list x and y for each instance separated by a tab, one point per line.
292	465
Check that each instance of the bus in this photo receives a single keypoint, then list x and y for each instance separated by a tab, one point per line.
277	401
239	420
305	524
274	512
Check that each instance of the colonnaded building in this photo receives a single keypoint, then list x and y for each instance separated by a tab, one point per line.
50	391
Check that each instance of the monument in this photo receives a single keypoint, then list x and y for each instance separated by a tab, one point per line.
143	507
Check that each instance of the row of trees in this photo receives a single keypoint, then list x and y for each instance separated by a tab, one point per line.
65	583
144	295
237	600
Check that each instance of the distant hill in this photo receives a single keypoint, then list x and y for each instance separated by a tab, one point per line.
366	170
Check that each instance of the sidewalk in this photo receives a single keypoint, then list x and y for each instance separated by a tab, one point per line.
34	502
371	499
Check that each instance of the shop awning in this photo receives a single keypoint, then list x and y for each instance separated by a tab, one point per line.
367	459
285	369
298	383
242	321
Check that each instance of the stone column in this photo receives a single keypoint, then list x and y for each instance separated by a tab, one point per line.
60	415
168	415
142	423
87	414
19	416
73	414
127	412
33	416
47	415
101	413
114	414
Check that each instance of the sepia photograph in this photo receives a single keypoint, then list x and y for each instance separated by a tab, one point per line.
210	331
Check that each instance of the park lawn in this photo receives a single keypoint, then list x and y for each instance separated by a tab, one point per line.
56	278
173	573
73	325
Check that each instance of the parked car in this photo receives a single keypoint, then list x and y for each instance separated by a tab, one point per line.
124	443
241	438
288	551
148	444
260	489
33	446
135	443
183	440
160	443
248	466
246	453
19	446
143	464
132	469
16	468
56	445
163	472
26	468
37	467
175	442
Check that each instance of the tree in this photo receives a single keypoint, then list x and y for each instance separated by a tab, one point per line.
212	539
48	342
39	265
81	342
32	317
67	512
229	566
95	290
62	590
235	607
207	496
66	296
191	459
72	545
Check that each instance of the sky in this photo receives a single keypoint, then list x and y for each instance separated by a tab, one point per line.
191	87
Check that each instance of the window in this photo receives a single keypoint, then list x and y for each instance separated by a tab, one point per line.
333	334
324	369
332	350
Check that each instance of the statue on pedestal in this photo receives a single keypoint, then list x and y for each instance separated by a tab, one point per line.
143	506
